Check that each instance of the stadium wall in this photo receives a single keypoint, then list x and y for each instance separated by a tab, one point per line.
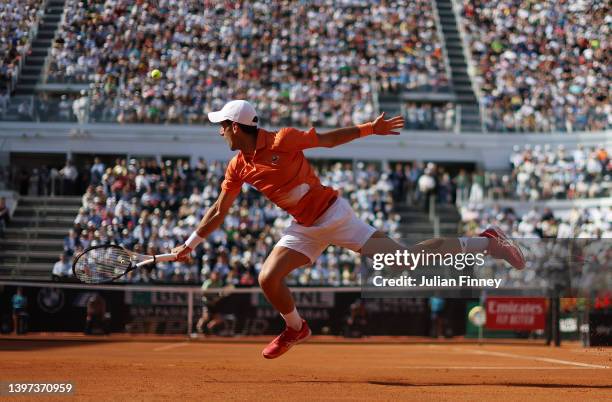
165	310
490	151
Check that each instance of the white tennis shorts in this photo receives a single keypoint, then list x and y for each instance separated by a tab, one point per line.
338	226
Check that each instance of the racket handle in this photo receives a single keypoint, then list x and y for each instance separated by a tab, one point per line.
165	257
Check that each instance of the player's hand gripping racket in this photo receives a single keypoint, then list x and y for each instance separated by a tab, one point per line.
107	263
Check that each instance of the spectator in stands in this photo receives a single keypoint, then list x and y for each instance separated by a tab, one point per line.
62	268
97	171
69	176
71	242
64	109
427	186
80	108
477	189
34	182
462	185
398	182
24	110
414	172
445	188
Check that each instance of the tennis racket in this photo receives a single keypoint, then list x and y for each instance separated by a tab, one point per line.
107	263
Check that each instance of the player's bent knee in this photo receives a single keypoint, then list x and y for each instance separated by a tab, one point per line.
267	280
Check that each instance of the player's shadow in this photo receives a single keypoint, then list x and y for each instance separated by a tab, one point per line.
407	384
508	384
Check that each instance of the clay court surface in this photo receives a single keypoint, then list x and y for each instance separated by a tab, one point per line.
122	368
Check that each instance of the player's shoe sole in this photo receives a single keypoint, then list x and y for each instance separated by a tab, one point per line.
503	247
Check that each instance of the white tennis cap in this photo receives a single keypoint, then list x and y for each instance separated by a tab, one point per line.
239	111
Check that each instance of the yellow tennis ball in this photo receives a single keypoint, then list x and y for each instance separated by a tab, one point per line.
478	316
156	74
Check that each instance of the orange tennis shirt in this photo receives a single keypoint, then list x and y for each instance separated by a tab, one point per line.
279	169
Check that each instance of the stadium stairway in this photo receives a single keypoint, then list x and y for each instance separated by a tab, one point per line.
32	70
461	81
415	225
34	237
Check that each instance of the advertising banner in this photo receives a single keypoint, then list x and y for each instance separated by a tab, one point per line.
520	314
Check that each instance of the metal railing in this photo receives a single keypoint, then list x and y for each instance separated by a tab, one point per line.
32	108
442	40
457	125
434	219
472	70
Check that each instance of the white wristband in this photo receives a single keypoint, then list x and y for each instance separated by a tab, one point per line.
193	240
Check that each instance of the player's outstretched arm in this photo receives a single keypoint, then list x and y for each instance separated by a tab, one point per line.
380	126
213	218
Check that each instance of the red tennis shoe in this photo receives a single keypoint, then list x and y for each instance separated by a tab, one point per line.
286	340
503	247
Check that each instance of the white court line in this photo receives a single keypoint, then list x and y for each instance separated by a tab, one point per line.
495	368
535	358
171	346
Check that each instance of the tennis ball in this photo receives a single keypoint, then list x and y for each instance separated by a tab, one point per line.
478	316
156	74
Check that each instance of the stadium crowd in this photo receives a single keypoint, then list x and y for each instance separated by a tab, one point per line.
546	237
44	180
18	18
151	208
311	63
543	65
536	173
588	222
426	116
544	173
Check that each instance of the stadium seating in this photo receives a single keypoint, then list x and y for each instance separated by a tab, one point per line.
328	72
579	222
324	72
545	235
573	174
429	117
18	22
151	208
542	66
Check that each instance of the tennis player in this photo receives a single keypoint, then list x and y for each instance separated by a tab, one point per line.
273	163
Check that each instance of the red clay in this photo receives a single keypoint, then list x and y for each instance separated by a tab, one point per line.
151	368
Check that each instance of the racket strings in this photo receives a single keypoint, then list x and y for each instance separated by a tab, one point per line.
102	264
